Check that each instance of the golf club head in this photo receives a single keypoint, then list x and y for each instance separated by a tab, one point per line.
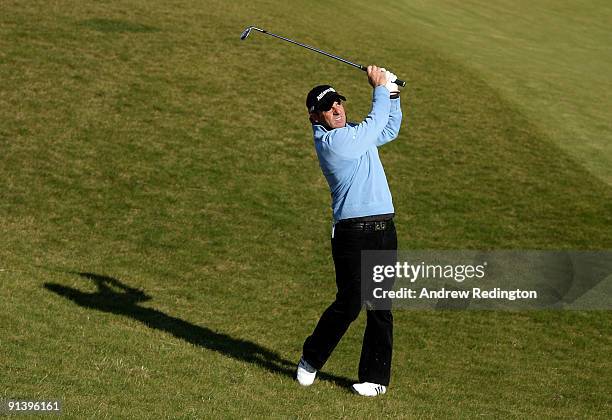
246	33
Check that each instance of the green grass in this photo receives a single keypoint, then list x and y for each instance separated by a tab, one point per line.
146	147
549	57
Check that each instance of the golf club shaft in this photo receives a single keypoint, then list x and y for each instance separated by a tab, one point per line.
359	66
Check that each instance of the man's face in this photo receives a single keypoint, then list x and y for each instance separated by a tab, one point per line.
334	118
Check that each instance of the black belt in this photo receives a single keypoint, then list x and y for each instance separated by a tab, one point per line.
366	226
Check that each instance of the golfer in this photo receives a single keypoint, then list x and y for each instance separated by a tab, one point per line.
363	220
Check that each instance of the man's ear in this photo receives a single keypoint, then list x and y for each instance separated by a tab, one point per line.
314	117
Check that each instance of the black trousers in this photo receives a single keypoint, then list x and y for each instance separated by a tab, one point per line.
375	362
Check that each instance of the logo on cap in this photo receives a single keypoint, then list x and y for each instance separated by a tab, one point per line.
322	94
325	92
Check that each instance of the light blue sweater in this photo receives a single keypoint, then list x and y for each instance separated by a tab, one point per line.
348	157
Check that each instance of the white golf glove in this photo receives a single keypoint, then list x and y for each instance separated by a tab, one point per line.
393	88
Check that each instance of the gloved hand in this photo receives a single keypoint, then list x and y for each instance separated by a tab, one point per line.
393	88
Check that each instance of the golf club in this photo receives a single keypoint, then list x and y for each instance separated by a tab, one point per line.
248	30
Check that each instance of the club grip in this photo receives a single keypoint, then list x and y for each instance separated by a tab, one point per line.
397	81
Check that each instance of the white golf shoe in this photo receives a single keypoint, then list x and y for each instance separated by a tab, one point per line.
305	373
369	389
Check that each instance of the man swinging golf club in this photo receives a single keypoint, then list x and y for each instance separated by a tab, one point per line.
363	220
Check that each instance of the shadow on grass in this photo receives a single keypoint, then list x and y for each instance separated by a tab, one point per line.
115	297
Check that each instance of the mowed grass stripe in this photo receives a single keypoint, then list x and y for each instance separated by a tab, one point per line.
551	58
